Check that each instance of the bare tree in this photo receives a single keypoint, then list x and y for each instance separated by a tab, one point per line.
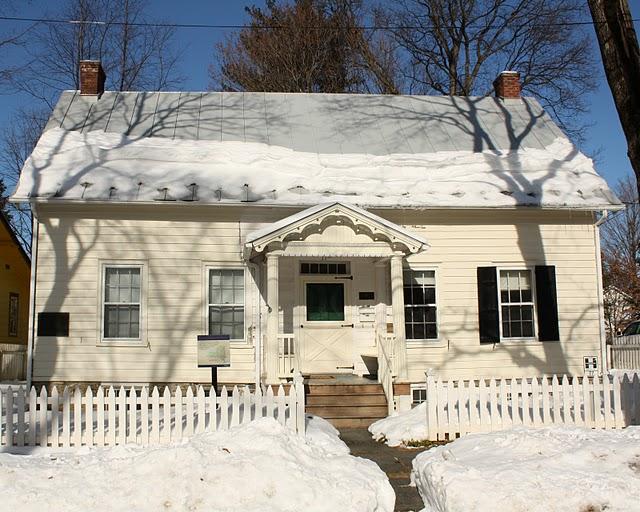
19	139
135	56
10	39
458	47
621	258
621	60
304	46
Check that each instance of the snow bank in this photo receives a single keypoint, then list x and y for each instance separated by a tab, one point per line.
402	428
105	166
256	467
545	470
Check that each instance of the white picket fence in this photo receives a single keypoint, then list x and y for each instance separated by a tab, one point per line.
459	407
624	353
120	416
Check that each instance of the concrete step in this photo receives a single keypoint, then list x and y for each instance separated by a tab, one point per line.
343	389
348	411
352	400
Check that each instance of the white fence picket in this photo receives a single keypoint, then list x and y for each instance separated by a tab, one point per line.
200	422
43	407
9	416
188	431
213	410
77	417
33	405
111	417
166	415
66	416
224	409
55	418
100	429
155	416
460	407
132	410
20	406
88	416
235	407
144	416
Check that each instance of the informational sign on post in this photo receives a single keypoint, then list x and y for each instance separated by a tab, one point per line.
214	351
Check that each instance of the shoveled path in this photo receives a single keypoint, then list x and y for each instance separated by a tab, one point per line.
395	462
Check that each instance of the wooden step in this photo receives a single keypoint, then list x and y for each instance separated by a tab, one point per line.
352	400
348	411
343	389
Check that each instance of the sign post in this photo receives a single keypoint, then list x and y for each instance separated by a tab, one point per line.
214	351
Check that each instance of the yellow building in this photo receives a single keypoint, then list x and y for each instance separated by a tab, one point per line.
15	271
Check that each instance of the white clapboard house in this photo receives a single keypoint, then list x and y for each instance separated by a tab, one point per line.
341	235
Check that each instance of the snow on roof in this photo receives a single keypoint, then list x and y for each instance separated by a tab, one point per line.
99	166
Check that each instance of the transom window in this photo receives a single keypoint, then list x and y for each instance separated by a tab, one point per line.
420	312
122	302
325	302
226	302
324	268
516	304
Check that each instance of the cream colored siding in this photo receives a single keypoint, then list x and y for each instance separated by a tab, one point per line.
175	254
459	245
176	244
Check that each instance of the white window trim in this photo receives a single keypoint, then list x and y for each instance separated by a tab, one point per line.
205	297
437	341
520	339
141	340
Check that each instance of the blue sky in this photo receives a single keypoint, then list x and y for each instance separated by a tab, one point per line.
604	137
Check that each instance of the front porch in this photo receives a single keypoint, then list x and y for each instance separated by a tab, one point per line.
333	292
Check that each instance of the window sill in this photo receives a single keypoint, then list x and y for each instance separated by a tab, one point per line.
121	343
519	341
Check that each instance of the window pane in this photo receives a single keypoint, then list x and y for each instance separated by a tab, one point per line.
419	331
227	296
325	301
432	331
526	295
418	314
431	314
430	295
418	295
527	329
516	329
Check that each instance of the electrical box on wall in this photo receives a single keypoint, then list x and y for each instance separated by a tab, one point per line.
590	365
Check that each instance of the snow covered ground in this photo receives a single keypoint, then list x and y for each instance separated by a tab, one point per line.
402	428
260	466
543	470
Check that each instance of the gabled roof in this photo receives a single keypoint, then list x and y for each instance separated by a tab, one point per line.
304	149
376	226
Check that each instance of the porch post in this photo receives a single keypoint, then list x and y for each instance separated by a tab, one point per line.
273	319
397	306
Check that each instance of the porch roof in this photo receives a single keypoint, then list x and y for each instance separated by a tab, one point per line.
374	225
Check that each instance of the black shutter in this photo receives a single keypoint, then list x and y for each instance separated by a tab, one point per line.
488	305
547	303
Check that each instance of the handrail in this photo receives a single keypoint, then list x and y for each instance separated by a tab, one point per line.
385	370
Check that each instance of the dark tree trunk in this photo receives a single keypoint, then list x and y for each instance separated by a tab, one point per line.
621	60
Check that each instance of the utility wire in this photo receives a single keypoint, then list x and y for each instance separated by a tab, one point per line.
310	27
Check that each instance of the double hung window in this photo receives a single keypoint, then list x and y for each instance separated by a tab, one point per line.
420	312
226	302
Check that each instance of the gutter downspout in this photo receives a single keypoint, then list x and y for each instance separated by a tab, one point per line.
35	231
603	335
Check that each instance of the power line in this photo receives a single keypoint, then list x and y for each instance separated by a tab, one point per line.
267	27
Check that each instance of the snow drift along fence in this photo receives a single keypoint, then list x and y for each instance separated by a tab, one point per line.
121	416
459	407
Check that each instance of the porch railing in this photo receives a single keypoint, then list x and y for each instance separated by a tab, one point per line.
386	366
287	355
624	353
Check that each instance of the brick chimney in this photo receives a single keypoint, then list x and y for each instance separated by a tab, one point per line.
92	78
507	85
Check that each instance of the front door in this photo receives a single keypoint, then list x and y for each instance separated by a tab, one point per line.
326	328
